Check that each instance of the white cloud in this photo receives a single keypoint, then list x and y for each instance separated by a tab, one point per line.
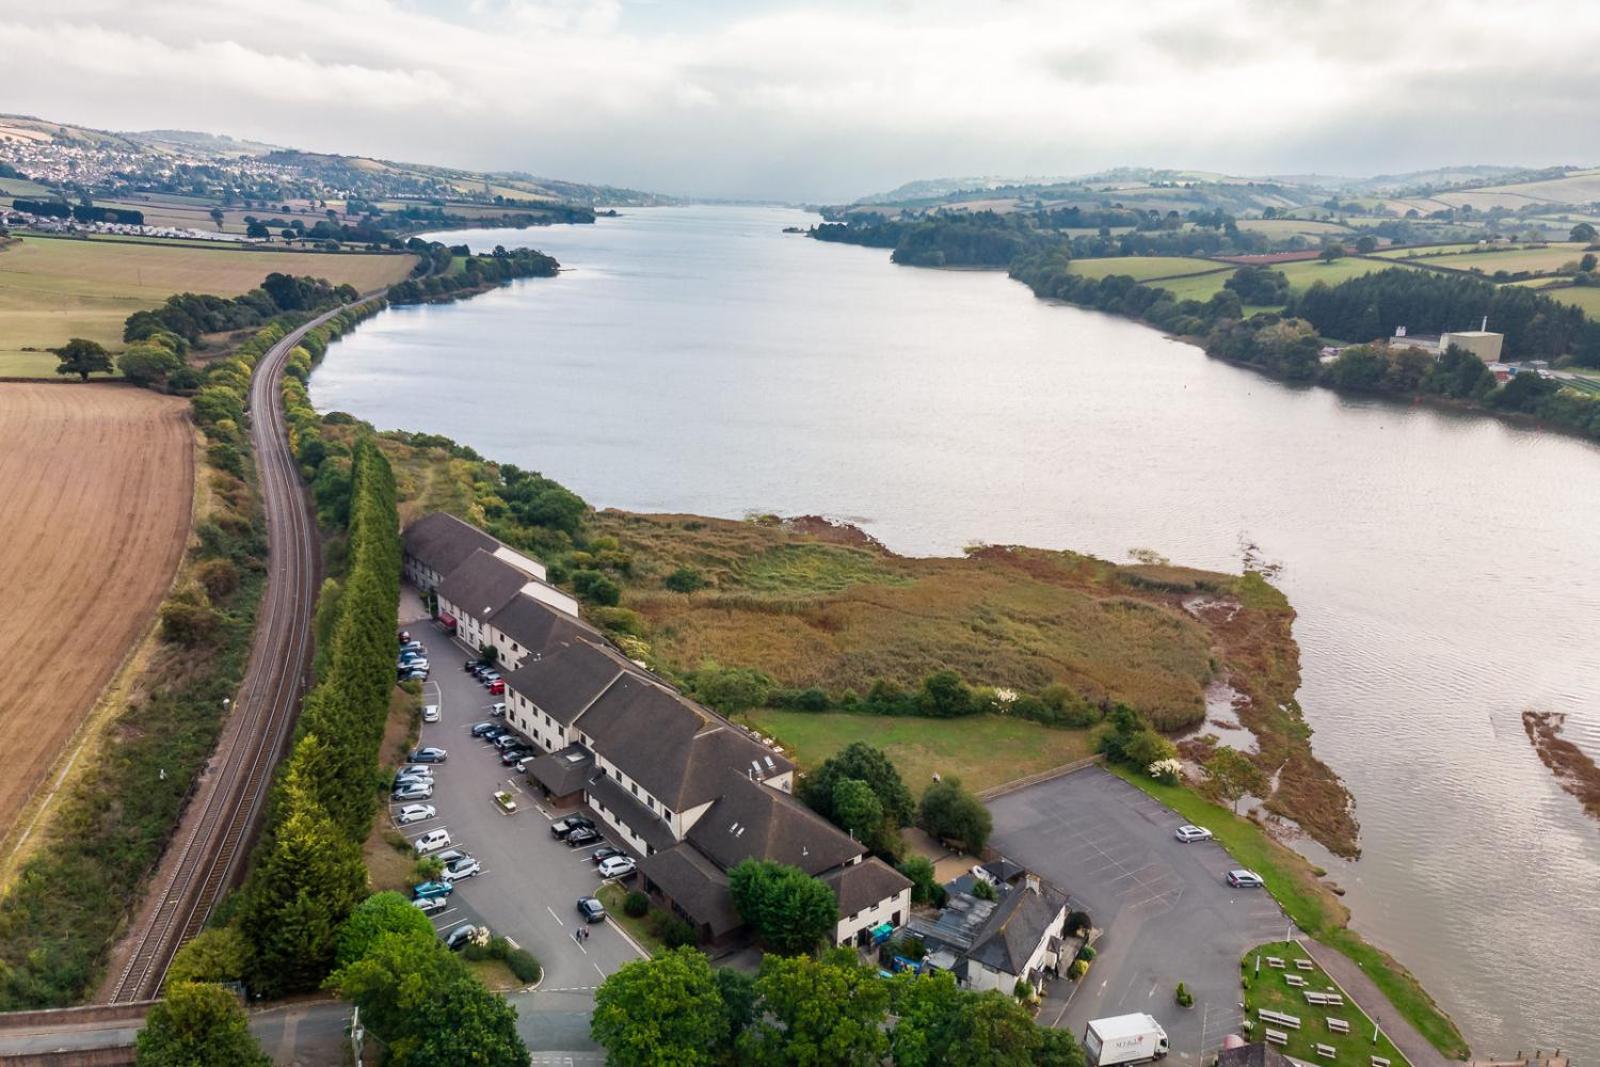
829	100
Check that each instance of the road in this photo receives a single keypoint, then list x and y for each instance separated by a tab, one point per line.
218	826
1165	913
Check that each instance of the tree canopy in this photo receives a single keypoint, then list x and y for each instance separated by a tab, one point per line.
196	1024
83	358
665	1011
951	813
863	762
790	910
818	1013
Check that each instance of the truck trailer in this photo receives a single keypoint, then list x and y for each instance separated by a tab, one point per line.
1121	1039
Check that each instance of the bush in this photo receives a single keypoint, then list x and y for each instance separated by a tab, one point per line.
1086	953
220	954
1184	997
636	904
597	588
950	813
924	886
677	933
523	964
1078	969
1078	923
684	580
1022	990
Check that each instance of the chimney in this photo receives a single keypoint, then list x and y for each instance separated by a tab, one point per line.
1031	880
1485	326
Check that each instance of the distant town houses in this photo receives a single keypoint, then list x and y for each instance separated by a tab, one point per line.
692	794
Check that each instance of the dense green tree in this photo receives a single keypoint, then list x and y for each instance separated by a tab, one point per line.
149	365
864	762
668	1010
1058	1048
1259	285
1331	252
220	954
925	887
945	696
83	358
950	813
1366	244
859	812
197	1024
939	1024
790	910
1583	231
379	914
818	1013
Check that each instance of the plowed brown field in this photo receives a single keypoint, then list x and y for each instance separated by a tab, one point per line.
96	484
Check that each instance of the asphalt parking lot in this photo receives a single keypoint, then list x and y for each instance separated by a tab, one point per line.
530	882
1165	912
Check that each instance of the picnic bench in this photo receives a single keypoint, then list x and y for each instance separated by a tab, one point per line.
1305	965
1338	1026
1276	1037
1328	1051
1379	1061
1274	961
1295	980
1278	1018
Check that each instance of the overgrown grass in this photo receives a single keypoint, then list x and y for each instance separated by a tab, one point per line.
1267	988
983	750
1312	906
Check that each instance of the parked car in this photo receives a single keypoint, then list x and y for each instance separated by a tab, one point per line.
583	835
507	740
415	813
497	688
483	729
1187	834
493	733
563	827
460	935
429	905
591	910
1244	879
418	664
450	855
432	841
433	889
478	669
430	754
488	674
430	713
465	867
414	790
515	754
407	781
617	867
425	770
605	852
497	709
521	766
411	675
413	646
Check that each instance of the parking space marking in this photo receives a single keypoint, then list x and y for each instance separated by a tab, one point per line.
554	916
598	971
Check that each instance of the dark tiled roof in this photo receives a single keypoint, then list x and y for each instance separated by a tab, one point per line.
1259	1054
631	810
567	676
754	821
537	626
481	585
680	752
1013	933
695	885
563	772
443	542
861	885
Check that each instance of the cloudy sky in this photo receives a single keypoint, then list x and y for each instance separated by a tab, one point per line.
828	101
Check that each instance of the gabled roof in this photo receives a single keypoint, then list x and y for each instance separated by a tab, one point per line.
563	772
631	810
443	542
696	885
861	885
481	585
754	821
680	752
567	675
1019	923
537	626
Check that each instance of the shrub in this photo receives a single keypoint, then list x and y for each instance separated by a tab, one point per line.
1077	923
1086	953
1078	969
677	933
924	886
188	624
219	576
684	580
1184	997
1022	990
523	964
636	904
950	813
220	954
983	890
597	588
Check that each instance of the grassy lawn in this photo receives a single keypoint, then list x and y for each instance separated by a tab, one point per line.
1304	274
1428	251
983	750
1313	907
1198	286
494	974
1552	258
1269	989
1141	268
1586	297
1282	229
52	289
641	930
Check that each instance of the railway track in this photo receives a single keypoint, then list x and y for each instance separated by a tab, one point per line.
220	825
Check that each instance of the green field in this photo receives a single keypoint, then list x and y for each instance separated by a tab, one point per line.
1197	286
983	750
1424	251
1283	229
52	289
1546	260
1268	988
1585	297
1143	268
1304	274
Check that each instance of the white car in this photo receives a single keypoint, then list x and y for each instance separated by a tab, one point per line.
1244	879
415	770
465	867
1187	834
420	789
430	713
497	709
415	813
432	841
617	867
429	905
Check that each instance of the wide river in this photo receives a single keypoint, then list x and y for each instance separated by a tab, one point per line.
1443	566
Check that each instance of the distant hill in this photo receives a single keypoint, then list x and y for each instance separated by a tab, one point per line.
206	143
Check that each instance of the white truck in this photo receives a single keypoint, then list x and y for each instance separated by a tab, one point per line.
1120	1039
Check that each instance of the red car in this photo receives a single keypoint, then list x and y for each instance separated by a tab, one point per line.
498	688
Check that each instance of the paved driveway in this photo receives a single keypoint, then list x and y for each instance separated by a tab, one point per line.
530	883
1164	909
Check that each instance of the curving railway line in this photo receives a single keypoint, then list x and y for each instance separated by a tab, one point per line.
207	854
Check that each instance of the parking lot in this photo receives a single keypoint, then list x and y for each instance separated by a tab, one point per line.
1165	912
530	881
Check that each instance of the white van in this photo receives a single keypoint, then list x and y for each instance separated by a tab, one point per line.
432	841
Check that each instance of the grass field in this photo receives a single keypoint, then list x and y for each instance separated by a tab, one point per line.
1306	273
1545	260
1270	989
1585	297
52	289
983	750
1198	286
87	558
1283	229
1424	251
1143	268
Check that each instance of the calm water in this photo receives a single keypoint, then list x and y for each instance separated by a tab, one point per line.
698	360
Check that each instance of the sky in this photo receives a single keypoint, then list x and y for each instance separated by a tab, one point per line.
825	102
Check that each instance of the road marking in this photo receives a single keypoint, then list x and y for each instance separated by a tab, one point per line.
598	970
554	916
